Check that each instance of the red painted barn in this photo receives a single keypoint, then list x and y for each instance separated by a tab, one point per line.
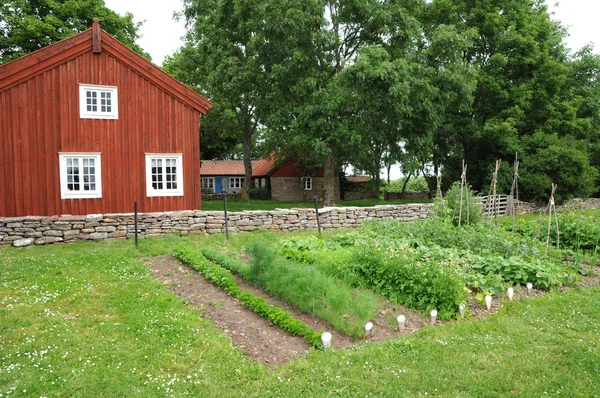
88	126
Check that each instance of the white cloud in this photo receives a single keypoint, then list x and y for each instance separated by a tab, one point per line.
581	19
161	34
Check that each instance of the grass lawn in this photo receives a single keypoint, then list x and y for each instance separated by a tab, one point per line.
87	319
241	205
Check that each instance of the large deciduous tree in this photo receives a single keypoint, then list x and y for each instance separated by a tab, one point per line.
313	118
527	85
28	25
397	97
223	57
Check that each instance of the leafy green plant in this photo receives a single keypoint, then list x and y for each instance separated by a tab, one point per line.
299	248
514	271
223	278
418	278
470	211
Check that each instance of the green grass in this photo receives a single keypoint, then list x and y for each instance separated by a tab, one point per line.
241	205
87	319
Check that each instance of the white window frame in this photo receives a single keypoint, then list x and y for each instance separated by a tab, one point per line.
80	194
85	114
307	183
236	183
211	179
151	191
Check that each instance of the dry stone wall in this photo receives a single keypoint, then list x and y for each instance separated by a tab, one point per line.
26	231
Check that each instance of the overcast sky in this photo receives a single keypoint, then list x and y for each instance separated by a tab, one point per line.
161	34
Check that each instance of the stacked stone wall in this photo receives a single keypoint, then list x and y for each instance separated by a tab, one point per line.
26	231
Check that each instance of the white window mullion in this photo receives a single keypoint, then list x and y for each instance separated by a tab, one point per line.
98	102
164	175
80	175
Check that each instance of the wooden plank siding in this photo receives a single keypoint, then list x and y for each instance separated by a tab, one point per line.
39	118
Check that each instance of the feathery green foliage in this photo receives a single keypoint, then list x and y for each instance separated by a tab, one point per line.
306	287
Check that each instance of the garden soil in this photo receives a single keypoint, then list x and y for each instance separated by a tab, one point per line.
265	342
259	338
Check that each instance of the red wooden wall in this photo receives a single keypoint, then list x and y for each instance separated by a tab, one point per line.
39	118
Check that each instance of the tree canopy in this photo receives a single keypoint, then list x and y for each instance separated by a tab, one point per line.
28	25
373	82
528	85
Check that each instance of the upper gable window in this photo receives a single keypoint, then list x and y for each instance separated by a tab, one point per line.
98	102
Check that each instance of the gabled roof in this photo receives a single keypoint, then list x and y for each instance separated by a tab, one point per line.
222	168
358	179
262	167
27	67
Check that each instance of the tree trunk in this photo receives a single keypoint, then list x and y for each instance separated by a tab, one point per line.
329	179
406	181
247	145
377	184
389	167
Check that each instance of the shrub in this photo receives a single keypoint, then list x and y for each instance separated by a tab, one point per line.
469	213
415	184
259	193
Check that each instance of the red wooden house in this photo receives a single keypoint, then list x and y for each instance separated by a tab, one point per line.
88	126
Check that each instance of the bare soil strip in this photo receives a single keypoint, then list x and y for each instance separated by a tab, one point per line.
262	340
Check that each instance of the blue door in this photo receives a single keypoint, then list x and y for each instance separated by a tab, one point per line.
218	185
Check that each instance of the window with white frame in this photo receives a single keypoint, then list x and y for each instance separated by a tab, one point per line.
164	175
80	175
307	183
236	182
98	102
208	184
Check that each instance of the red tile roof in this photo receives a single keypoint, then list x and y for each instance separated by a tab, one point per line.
222	167
358	179
262	166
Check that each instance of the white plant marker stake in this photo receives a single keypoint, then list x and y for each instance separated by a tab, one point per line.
510	293
529	287
401	322
326	339
488	302
461	309
433	316
368	328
